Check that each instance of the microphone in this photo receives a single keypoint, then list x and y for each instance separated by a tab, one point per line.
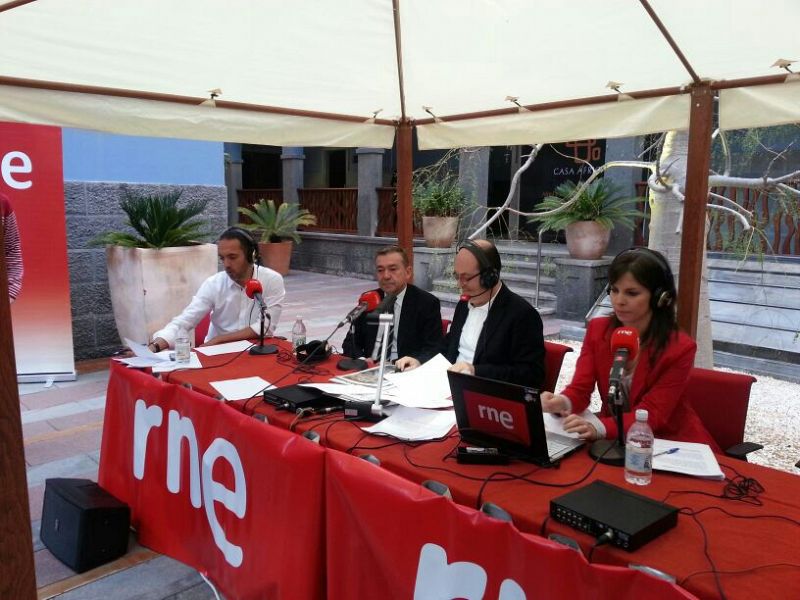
625	346
254	289
386	305
467	297
367	302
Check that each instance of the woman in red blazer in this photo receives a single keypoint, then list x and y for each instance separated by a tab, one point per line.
642	291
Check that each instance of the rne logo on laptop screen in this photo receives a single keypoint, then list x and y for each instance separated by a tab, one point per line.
498	417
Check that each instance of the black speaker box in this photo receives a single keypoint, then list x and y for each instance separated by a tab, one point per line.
82	524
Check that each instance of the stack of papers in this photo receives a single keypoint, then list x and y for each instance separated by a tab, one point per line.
415	424
426	386
162	362
228	348
240	389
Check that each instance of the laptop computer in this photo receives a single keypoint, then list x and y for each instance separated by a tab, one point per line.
506	416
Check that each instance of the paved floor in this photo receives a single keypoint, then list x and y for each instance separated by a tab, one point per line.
62	428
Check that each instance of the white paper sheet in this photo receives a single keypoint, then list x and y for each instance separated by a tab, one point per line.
414	424
426	386
228	348
240	389
690	459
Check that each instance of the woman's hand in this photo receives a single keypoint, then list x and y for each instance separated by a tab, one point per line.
579	425
555	403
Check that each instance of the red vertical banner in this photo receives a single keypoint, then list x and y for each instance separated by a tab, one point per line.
31	176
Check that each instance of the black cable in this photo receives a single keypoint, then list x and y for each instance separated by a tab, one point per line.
739	571
601	540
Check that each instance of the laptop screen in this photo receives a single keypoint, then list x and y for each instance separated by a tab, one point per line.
498	417
499	414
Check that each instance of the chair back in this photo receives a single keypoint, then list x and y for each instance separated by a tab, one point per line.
201	330
553	358
720	400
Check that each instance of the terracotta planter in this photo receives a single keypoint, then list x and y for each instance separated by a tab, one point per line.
439	232
587	239
149	287
276	255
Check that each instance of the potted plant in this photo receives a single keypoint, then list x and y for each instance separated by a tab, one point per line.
278	227
440	201
156	267
588	217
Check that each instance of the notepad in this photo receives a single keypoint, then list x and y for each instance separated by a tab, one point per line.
692	459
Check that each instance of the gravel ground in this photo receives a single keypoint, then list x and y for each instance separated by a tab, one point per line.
773	418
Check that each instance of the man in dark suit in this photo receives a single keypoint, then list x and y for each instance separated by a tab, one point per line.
495	333
417	328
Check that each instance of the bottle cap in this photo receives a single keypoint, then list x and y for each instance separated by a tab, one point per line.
641	414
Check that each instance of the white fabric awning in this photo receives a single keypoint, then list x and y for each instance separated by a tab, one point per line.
761	106
339	57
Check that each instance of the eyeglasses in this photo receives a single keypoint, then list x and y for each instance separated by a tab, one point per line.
462	279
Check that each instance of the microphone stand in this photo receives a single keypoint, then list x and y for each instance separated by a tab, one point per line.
373	412
611	452
262	349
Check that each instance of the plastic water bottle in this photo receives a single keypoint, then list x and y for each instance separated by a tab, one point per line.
182	346
639	451
298	333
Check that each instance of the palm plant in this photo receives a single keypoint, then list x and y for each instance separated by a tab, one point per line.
600	201
158	222
277	223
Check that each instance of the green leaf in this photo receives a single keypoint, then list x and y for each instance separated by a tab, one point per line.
276	223
158	222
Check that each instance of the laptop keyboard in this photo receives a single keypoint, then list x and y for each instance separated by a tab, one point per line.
556	447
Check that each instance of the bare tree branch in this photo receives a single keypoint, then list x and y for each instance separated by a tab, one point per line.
733	204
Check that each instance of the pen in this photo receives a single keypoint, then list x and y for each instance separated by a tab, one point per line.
670	451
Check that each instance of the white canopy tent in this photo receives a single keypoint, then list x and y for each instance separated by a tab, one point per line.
359	72
313	72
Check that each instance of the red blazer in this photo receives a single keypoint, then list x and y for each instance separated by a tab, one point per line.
658	388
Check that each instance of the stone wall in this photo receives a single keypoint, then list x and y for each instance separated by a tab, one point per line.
92	208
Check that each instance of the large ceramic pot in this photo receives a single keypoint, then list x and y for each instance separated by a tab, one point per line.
149	287
587	239
439	232
276	255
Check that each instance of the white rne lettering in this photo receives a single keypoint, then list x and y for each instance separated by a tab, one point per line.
437	579
492	414
181	428
234	500
144	419
202	487
511	590
16	162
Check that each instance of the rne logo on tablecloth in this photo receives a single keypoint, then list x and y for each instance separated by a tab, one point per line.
203	489
436	578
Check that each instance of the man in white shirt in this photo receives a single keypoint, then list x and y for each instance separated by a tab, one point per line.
495	333
234	316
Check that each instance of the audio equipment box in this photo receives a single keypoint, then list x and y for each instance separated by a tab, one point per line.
599	508
82	524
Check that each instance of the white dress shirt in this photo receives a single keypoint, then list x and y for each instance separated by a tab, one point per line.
230	308
468	342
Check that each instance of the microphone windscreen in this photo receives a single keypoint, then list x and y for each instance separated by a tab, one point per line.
465	298
252	287
625	338
386	304
371	299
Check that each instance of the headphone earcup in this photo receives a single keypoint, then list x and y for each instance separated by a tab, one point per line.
664	299
489	277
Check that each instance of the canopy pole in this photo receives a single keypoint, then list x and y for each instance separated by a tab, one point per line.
693	235
405	165
17	575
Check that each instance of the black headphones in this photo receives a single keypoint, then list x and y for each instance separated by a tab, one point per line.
663	295
313	352
488	262
245	238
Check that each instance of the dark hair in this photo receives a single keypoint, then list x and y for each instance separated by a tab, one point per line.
392	250
651	270
246	241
